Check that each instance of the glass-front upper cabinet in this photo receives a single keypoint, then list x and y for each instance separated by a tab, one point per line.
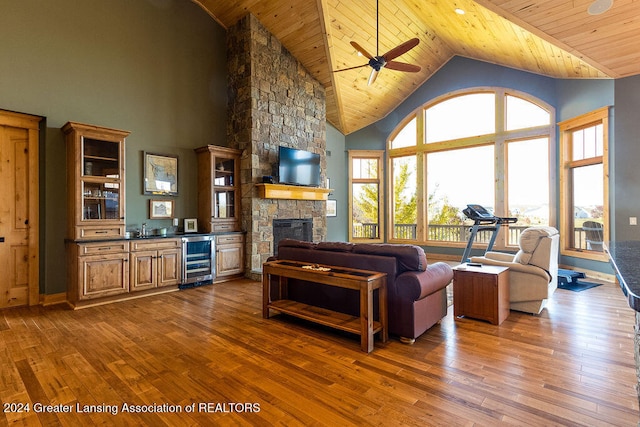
101	196
223	188
218	194
95	158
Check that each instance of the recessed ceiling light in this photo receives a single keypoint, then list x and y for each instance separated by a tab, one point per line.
459	11
599	6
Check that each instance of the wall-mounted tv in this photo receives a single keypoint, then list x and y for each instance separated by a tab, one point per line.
298	167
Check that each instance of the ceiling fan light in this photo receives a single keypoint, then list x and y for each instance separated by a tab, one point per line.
599	6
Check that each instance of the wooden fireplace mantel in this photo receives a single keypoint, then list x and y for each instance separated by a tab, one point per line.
292	192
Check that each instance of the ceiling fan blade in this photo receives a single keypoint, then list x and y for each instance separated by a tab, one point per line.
401	66
361	50
401	49
350	68
372	77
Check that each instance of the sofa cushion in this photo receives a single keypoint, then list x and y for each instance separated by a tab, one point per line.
335	246
408	257
293	243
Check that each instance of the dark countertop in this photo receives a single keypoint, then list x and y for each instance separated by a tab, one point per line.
153	236
625	259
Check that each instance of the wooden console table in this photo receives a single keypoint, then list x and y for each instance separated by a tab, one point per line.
366	282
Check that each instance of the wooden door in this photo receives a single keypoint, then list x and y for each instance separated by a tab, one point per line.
144	266
18	210
104	275
229	259
169	267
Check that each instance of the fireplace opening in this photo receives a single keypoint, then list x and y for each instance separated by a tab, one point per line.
299	229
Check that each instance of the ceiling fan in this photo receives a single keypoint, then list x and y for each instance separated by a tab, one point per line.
378	62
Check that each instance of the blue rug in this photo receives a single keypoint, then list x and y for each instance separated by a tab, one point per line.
577	285
569	276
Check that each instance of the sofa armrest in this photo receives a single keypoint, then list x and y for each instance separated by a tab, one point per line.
415	285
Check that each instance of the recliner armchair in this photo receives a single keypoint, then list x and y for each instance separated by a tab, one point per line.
533	270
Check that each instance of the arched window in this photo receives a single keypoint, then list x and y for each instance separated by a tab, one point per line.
487	146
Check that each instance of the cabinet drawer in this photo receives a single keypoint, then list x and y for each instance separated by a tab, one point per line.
216	227
229	238
99	248
106	232
154	244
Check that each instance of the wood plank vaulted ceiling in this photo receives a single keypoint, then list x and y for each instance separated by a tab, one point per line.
548	37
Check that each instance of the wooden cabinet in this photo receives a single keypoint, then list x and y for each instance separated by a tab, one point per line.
481	292
218	188
95	181
97	270
229	255
155	263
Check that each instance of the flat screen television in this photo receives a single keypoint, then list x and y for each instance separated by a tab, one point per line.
298	167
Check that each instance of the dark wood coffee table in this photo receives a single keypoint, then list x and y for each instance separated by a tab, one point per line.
366	282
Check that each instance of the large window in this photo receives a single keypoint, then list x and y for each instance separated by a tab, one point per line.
528	184
365	178
584	206
490	147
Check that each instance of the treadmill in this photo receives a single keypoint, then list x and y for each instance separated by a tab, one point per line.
483	220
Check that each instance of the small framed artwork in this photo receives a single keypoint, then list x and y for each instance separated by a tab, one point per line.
332	208
160	174
160	209
190	225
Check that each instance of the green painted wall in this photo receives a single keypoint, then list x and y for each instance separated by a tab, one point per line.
337	172
156	68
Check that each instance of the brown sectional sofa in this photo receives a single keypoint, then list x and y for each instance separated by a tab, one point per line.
416	292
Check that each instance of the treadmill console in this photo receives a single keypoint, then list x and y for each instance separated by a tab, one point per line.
477	212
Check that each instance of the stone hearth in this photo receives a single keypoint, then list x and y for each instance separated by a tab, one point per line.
273	101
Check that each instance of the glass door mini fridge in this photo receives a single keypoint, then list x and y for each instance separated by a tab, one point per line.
198	263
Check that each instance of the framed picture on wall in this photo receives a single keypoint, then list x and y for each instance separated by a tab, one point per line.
159	209
190	225
160	174
332	208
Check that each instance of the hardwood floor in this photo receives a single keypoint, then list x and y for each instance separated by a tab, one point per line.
573	365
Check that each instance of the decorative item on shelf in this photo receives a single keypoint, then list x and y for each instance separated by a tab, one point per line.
160	174
160	209
190	225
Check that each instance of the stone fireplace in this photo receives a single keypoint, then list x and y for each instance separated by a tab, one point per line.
273	101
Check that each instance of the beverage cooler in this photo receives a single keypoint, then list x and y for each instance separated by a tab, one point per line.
198	264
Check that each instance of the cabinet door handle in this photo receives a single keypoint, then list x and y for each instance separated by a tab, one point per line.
105	249
1	239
